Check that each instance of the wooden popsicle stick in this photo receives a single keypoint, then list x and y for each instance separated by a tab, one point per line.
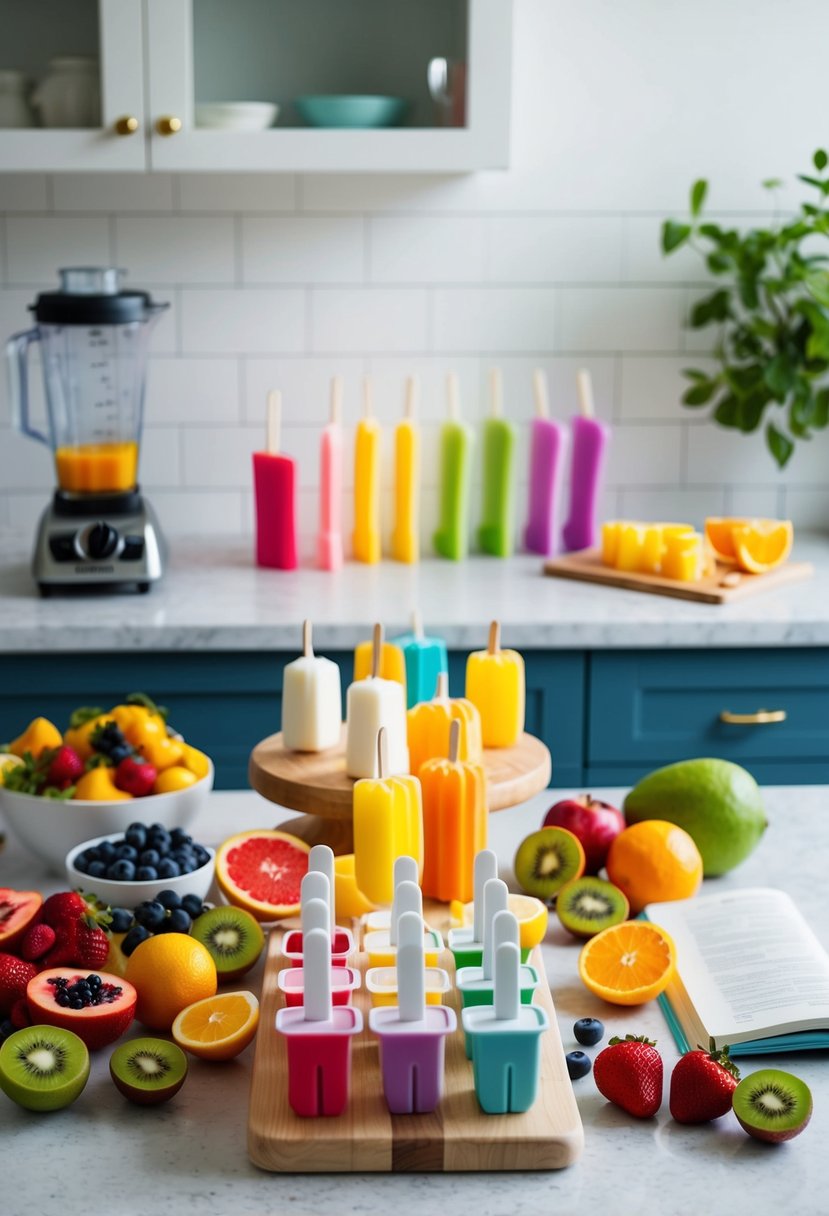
494	644
382	753
417	623
454	740
453	393
368	396
412	394
540	394
442	686
307	640
274	421
336	399
584	389
496	393
376	650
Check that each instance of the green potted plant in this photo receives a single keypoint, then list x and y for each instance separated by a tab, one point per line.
771	310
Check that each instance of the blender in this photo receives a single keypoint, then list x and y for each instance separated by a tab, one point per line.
98	529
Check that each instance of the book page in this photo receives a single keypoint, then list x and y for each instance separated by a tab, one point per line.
749	964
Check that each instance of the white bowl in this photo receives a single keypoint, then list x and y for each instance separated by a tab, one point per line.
130	894
236	115
49	827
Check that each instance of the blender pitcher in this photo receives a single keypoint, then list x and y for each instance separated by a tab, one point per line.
94	345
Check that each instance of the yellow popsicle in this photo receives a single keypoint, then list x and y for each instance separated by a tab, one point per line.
366	536
405	541
683	557
429	724
388	823
392	662
610	541
495	684
631	545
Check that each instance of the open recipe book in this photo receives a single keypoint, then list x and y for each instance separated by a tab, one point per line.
750	973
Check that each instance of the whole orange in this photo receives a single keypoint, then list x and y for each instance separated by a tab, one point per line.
170	972
653	861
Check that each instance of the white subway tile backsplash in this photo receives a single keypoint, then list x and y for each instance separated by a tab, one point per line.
123	192
253	321
725	456
437	249
25	510
390	372
24	192
194	391
302	249
495	319
765	502
176	249
234	192
38	245
652	387
160	463
807	507
219	456
643	455
372	319
305	385
561	371
25	464
619	318
680	504
554	249
209	513
644	261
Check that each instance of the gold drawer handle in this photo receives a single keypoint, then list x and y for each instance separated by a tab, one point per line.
127	125
759	718
169	125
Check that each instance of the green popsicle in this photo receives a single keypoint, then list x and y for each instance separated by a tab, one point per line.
452	536
497	530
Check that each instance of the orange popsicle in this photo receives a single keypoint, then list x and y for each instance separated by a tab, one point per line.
429	724
454	822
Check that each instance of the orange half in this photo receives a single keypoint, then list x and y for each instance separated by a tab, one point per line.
219	1027
628	964
763	544
718	533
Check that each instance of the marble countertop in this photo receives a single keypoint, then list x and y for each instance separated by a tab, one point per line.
214	598
189	1156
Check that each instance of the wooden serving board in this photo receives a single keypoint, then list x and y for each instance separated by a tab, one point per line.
316	782
724	587
368	1139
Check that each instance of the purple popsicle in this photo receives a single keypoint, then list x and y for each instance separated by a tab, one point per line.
590	439
547	442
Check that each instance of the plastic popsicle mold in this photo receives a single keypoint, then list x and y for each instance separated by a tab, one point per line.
315	889
467	943
381	944
477	984
404	870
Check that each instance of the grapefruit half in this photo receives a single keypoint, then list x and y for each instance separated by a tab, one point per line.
261	871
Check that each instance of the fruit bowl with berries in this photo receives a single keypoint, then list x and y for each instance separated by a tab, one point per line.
58	789
125	869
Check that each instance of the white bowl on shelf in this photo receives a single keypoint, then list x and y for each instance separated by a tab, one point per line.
236	115
50	827
131	894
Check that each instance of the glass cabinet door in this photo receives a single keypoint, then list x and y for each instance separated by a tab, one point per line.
71	85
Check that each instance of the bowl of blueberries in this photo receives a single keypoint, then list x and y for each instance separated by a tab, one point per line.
168	912
132	867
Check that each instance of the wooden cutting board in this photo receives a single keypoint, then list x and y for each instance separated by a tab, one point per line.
367	1139
723	587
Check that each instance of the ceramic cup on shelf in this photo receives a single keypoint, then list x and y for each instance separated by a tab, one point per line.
15	110
70	94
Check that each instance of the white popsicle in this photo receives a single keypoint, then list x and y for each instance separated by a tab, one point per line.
311	700
321	860
372	704
411	970
495	900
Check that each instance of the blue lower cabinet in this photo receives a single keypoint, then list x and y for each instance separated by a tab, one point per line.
649	708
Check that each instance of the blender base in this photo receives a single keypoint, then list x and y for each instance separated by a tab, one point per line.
107	542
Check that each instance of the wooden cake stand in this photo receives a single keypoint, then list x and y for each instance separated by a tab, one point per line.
316	783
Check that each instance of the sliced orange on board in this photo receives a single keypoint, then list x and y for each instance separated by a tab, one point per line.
628	964
718	533
754	545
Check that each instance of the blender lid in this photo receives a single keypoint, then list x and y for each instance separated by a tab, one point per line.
89	295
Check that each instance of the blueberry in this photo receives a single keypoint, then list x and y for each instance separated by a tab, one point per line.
7	1027
119	752
88	855
169	899
121	871
151	915
122	920
136	838
187	865
578	1064
179	836
158	829
202	855
82	864
138	826
146	874
167	868
588	1031
192	905
97	869
179	921
135	937
161	844
106	851
150	857
125	852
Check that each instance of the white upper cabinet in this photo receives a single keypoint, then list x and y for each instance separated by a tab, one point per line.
190	53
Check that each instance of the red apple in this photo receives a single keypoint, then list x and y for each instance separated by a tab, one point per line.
595	823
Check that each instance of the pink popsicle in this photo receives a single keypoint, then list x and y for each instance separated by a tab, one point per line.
547	442
330	538
590	439
274	480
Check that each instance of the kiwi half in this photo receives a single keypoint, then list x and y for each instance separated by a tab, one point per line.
233	938
587	905
43	1067
546	860
148	1070
772	1105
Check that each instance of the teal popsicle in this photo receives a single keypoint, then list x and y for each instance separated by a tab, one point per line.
425	658
497	530
452	536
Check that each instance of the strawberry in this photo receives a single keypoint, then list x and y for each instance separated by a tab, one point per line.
80	943
135	777
702	1085
15	974
61	908
36	942
629	1072
65	768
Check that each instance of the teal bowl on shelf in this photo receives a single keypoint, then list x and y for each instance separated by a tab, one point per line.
351	110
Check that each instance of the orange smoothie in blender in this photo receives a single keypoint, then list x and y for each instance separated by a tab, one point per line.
97	468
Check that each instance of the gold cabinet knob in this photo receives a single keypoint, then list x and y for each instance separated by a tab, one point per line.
760	717
168	125
127	125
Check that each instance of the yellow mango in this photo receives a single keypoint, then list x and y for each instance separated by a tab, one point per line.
98	785
39	735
